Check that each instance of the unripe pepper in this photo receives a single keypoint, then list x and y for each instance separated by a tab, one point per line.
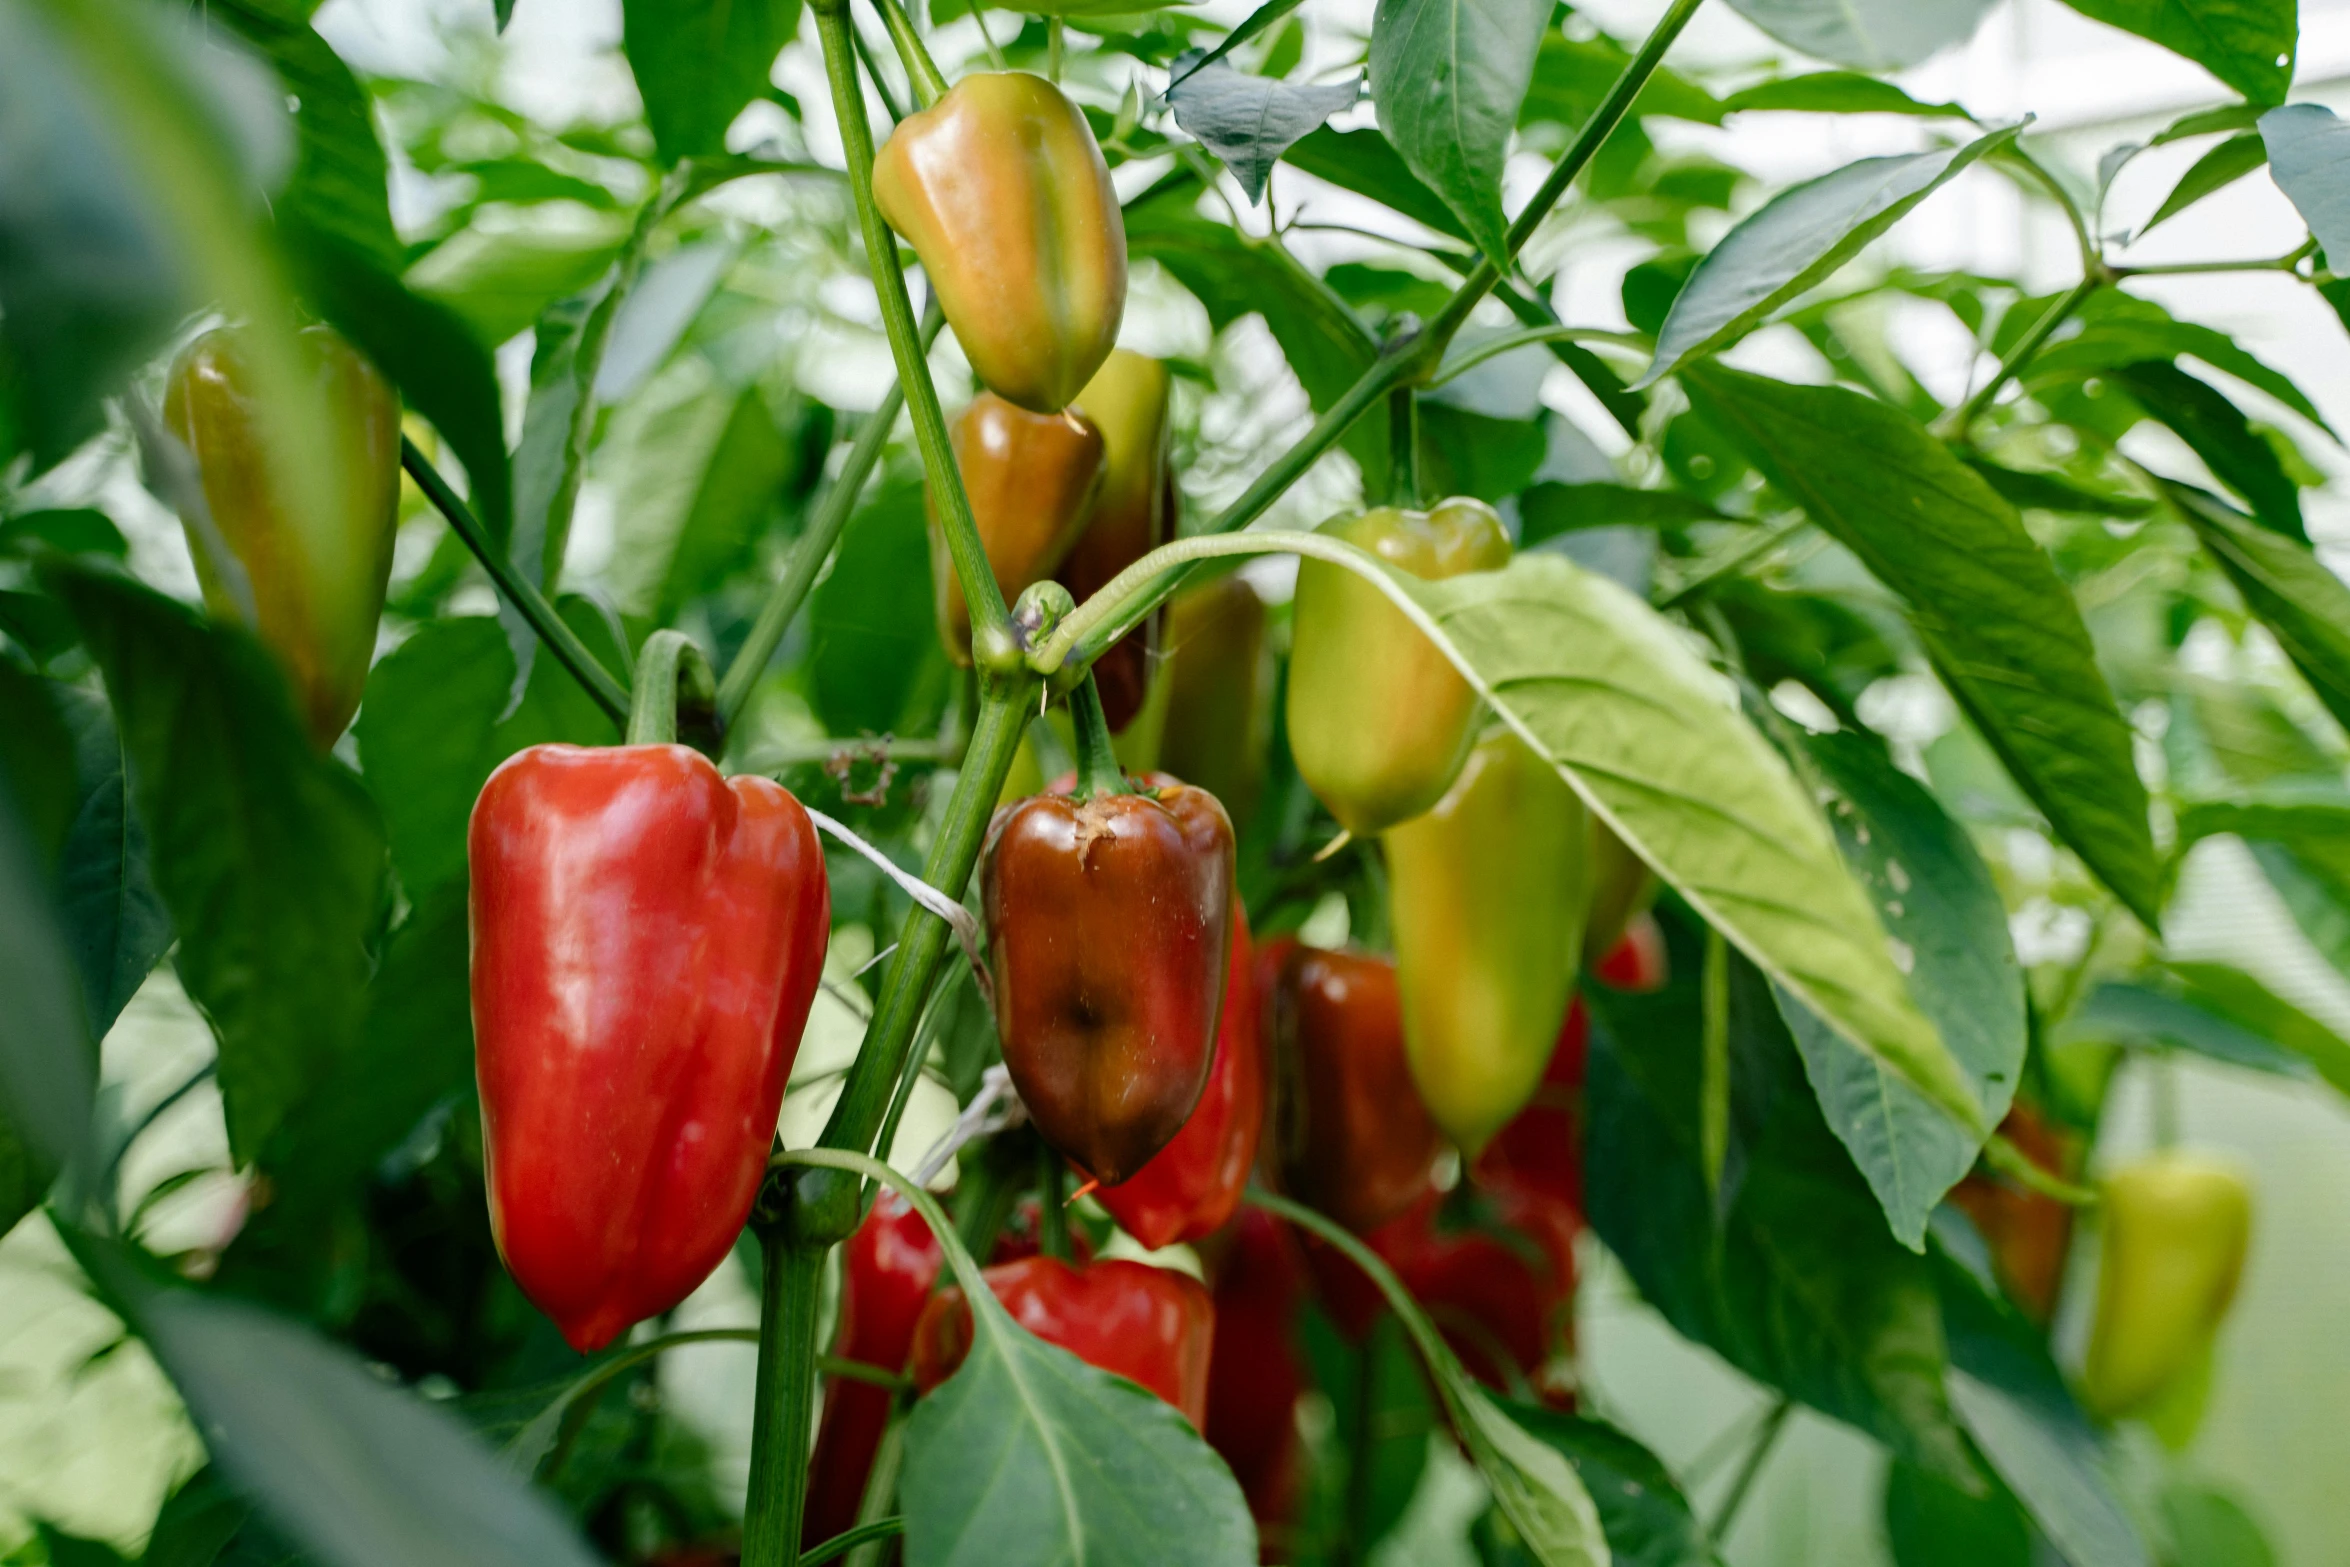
1194	1184
1002	191
1486	896
1133	514
2029	1233
888	1269
1354	1140
647	938
317	581
2176	1229
1541	1150
1257	1373
1149	1325
1109	918
1219	692
1379	720
1032	479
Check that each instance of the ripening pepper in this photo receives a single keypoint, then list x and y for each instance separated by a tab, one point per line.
1622	888
2176	1229
1486	896
1032	479
1109	918
1379	720
1541	1150
2029	1233
888	1268
1150	1325
1219	692
1193	1185
647	938
1002	191
1257	1373
1639	961
1133	514
1352	1138
317	581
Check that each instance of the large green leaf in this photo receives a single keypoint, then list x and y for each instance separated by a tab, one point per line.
698	62
1931	1523
1798	239
2216	430
2002	629
2215	171
114	919
1937	899
1648	1522
2114	329
2287	586
1573	76
1448	77
48	1072
269	856
1366	163
1868	35
2248	44
1836	92
2306	151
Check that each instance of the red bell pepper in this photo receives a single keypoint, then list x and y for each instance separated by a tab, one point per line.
1191	1186
887	1271
647	938
1354	1141
1541	1150
1257	1373
1150	1325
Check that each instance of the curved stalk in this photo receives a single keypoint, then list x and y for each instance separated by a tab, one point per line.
922	72
672	681
1097	764
1958	423
841	1544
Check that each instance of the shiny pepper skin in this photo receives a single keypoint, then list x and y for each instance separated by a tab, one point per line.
1133	514
1032	479
317	582
1379	720
1257	1373
888	1269
1149	1325
1354	1140
1219	677
1191	1187
1109	930
2176	1229
1002	191
2029	1234
647	938
1486	898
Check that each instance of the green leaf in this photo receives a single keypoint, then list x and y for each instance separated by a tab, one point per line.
1573	76
2207	1526
2248	44
48	1069
1868	35
2001	628
2306	147
2217	431
1798	239
113	917
502	271
2128	1012
2047	492
2287	586
1366	163
1548	510
1464	452
1250	121
1648	1522
1836	92
1787	1271
874	665
2303	848
269	856
1255	22
1930	1522
37	766
2216	170
2235	996
1448	77
1936	898
698	62
79	531
2115	329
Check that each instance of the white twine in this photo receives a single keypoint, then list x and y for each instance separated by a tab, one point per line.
995	1108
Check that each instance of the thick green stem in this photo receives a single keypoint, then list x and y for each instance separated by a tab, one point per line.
783	1397
528	601
991	639
1097	762
1052	1219
2009	1160
1955	427
922	72
673	691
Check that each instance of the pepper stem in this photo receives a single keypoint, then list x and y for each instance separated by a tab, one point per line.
922	72
1052	1219
674	690
1097	763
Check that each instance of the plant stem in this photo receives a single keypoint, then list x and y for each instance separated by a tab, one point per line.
815	546
922	72
1743	1483
1737	561
2018	154
881	88
671	674
1097	763
2009	1160
2284	263
528	601
841	1544
1955	427
1403	447
1714	1081
783	1399
990	620
1509	342
1052	1220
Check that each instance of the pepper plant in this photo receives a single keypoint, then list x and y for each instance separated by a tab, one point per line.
1669	936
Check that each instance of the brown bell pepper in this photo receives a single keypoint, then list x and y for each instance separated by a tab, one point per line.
1032	479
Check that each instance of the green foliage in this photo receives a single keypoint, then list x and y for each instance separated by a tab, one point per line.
1448	77
699	62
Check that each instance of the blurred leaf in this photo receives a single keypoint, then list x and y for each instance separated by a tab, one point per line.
2209	1528
2248	44
2306	154
1930	1522
699	62
1647	1520
1547	510
502	271
2304	848
1937	900
1250	121
197	1523
1797	1283
2125	1011
2287	586
1366	163
113	917
2047	492
37	767
2002	629
1797	240
1835	92
2235	996
66	1550
655	315
1465	453
1573	76
1448	77
2217	432
1868	35
875	666
48	1070
2115	329
76	532
2215	171
269	856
